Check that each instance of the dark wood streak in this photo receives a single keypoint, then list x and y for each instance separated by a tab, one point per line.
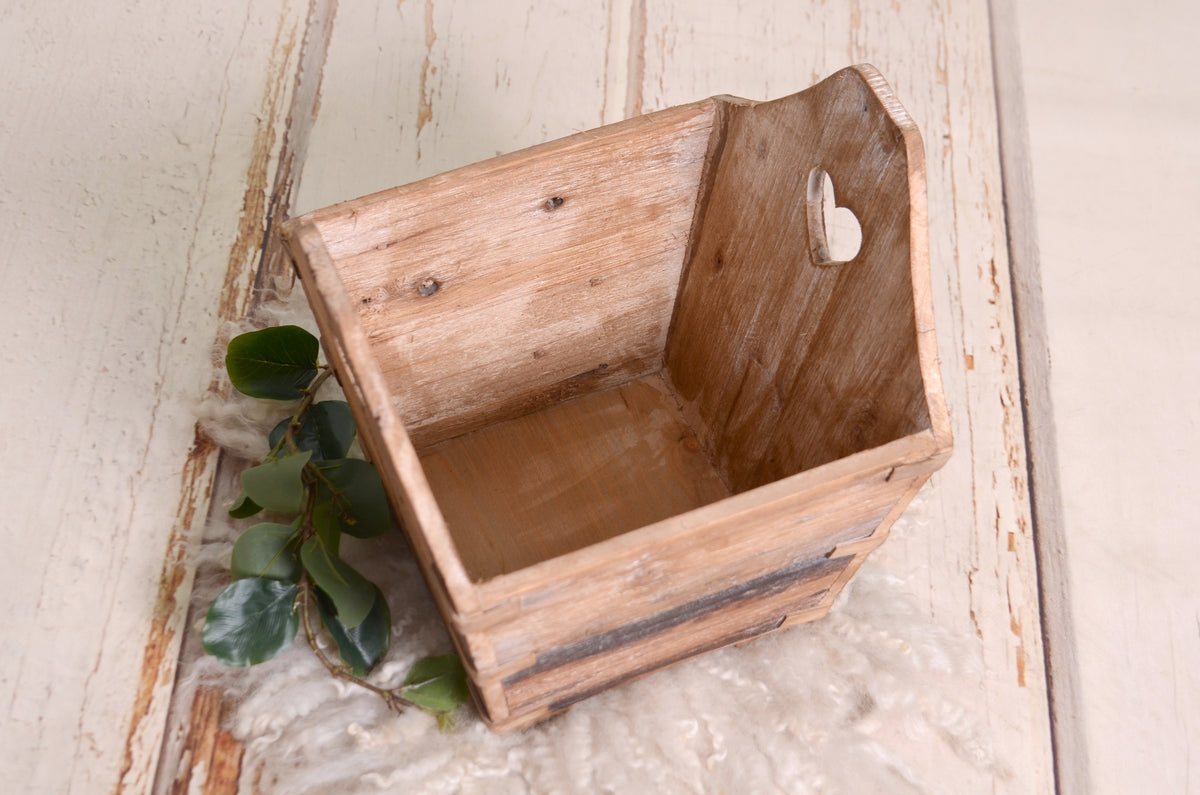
737	637
767	585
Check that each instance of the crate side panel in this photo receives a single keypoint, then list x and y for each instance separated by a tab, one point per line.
815	362
497	290
382	434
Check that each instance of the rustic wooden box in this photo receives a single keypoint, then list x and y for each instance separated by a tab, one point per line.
625	409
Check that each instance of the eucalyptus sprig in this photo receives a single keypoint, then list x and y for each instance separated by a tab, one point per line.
317	493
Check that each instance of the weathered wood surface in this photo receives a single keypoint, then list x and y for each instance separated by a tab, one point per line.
785	361
411	90
490	291
1102	180
139	150
488	287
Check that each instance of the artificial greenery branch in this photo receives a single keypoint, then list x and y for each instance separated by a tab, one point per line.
281	570
310	394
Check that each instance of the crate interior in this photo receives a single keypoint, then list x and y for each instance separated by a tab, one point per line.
614	350
568	475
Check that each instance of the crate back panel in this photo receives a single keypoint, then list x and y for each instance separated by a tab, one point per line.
497	289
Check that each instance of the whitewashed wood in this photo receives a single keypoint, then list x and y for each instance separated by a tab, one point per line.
1112	108
135	148
418	87
975	562
1062	665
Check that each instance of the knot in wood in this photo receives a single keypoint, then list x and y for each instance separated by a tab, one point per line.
428	287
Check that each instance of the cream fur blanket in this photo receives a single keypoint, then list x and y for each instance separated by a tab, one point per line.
854	703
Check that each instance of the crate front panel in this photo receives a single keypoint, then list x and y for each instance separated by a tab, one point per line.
643	581
567	675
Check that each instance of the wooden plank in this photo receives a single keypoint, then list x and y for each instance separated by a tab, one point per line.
1100	109
418	88
486	291
567	676
212	758
1062	670
976	573
137	172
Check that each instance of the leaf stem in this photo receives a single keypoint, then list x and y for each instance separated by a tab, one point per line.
391	697
310	394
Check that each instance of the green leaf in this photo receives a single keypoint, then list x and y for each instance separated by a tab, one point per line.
267	550
326	428
438	684
275	363
251	621
351	593
361	506
277	485
360	647
243	507
328	532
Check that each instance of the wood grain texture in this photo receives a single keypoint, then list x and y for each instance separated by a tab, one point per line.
1108	115
1071	769
669	563
210	759
128	217
783	362
564	677
425	87
491	289
194	751
977	569
954	108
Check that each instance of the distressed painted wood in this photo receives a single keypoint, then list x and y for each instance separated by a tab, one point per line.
476	297
410	90
137	167
1100	115
979	579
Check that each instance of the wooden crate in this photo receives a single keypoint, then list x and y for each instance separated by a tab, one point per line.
626	409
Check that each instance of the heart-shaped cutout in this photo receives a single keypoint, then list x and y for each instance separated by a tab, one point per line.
834	233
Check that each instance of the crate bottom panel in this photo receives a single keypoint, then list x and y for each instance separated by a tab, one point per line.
570	475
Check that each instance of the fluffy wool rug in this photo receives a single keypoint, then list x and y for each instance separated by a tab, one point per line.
854	703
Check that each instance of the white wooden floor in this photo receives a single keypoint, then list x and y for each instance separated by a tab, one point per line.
144	151
1108	218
